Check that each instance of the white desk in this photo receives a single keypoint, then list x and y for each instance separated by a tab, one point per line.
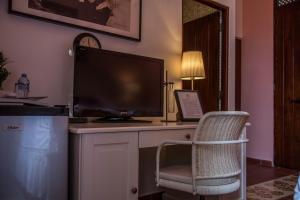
150	135
105	157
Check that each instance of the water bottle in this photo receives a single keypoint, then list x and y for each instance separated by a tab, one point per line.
22	87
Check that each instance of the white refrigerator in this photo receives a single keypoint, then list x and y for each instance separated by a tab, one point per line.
33	153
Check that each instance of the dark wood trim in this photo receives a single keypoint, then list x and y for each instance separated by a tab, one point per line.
225	58
27	110
238	73
225	18
153	196
278	92
263	163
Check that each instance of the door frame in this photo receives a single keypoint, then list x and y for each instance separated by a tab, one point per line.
238	74
278	92
225	41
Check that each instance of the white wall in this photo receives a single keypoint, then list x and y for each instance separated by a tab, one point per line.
40	48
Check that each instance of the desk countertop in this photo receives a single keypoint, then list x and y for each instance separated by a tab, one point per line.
90	128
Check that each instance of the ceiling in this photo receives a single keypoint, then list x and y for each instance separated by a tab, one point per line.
194	10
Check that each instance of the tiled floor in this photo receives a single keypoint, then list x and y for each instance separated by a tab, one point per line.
257	175
276	189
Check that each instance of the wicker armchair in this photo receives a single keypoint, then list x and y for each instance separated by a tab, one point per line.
216	164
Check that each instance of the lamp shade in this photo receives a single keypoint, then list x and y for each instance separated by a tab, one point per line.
192	66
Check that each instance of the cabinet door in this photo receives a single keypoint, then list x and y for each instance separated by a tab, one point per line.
110	166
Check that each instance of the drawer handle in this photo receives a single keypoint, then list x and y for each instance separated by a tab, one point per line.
188	136
134	190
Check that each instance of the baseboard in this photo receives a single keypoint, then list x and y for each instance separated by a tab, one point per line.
153	196
264	163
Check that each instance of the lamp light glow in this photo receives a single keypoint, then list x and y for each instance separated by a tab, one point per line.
192	67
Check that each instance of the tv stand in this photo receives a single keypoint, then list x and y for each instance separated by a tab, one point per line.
119	120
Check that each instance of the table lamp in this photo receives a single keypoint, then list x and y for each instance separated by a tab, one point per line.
192	66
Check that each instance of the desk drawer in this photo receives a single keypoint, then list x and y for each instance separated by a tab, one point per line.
155	138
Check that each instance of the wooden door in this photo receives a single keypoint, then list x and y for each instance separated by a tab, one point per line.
203	34
110	166
287	83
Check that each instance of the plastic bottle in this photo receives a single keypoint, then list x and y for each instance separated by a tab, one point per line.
22	87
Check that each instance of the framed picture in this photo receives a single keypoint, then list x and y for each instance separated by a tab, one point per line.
120	18
189	106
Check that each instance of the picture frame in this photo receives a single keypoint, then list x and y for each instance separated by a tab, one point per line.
120	18
189	105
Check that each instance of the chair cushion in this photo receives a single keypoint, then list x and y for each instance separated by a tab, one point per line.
183	174
201	189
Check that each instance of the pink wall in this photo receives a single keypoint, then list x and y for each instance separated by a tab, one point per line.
257	76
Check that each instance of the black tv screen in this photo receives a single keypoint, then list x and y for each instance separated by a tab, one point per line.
113	84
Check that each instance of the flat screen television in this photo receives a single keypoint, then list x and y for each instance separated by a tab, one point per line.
110	84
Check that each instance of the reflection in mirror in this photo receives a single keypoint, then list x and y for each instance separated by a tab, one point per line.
204	30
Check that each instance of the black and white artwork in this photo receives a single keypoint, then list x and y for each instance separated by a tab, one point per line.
118	17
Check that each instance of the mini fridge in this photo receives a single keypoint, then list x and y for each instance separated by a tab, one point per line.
33	153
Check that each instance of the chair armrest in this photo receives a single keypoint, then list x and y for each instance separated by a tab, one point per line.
167	142
178	142
182	142
221	142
